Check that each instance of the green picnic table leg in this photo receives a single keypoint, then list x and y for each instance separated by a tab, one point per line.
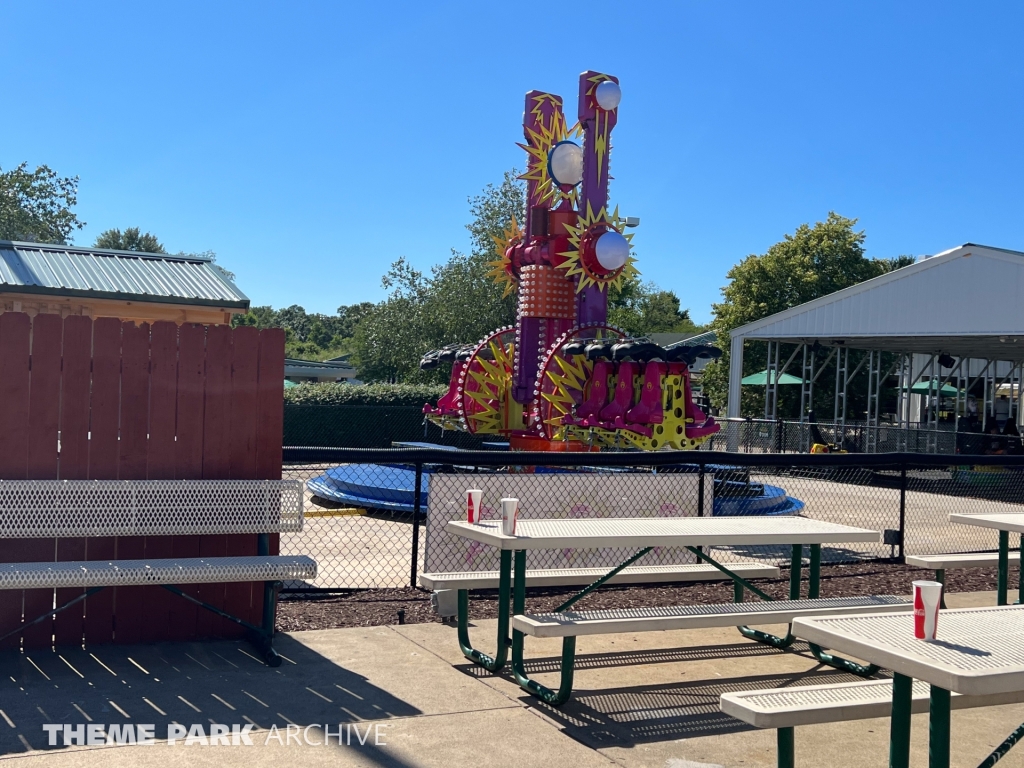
899	721
795	570
940	576
785	748
1004	567
497	663
542	692
938	728
1020	570
813	592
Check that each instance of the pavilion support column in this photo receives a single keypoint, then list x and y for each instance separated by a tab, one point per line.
735	390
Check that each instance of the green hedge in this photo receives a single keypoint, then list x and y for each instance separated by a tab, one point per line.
366	426
370	394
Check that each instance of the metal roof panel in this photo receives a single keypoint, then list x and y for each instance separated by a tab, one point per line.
55	269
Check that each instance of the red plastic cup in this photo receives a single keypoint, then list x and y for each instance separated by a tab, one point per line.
927	597
473	499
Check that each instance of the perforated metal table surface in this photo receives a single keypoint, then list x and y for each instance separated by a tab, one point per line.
977	650
1004	524
664	532
1011	522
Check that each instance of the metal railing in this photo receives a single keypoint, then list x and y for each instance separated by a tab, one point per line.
373	533
782	436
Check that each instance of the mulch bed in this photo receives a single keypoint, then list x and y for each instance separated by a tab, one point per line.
373	607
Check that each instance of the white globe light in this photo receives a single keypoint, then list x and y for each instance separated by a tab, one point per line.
611	250
565	163
608	95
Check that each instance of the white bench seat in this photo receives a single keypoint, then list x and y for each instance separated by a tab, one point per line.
185	570
579	623
566	577
56	509
813	704
963	560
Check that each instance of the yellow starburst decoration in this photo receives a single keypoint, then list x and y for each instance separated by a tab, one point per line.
539	144
500	271
488	386
574	265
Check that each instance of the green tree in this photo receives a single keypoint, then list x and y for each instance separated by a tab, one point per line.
810	263
132	239
643	308
35	206
456	303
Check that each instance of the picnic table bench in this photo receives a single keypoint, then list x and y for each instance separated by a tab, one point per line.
644	534
786	708
1004	523
94	508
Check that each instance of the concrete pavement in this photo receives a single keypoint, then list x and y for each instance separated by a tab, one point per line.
405	696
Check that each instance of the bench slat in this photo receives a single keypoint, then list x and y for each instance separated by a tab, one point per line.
576	624
67	508
963	560
567	577
186	570
808	705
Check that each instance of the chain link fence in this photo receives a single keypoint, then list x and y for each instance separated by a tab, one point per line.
780	436
374	518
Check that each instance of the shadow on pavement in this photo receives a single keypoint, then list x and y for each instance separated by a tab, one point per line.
187	683
628	716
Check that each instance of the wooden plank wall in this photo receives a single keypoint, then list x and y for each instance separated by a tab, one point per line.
135	402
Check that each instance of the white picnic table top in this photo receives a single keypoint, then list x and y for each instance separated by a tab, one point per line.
977	650
1010	522
595	533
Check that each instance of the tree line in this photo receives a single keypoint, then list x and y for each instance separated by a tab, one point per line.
456	301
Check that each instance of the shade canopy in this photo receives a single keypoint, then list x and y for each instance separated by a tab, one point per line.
761	378
926	388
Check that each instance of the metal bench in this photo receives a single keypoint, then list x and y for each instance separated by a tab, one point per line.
941	563
564	577
573	577
609	622
569	625
75	508
786	708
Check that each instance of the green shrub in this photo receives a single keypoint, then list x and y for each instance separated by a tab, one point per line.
370	394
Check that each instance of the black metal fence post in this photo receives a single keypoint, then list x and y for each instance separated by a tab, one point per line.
700	494
700	490
903	512
417	504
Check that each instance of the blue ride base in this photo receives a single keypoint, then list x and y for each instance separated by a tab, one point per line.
392	489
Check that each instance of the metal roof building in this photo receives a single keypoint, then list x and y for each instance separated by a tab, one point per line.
953	316
327	370
132	285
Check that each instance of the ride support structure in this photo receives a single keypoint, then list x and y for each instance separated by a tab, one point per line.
563	378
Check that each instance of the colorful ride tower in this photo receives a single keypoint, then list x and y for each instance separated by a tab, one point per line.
564	379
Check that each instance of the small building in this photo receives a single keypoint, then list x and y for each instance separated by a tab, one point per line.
130	285
335	371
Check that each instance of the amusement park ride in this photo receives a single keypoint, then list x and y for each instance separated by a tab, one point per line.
564	379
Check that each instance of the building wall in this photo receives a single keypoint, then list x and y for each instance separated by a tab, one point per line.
136	311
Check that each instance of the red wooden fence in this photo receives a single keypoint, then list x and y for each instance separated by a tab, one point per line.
132	403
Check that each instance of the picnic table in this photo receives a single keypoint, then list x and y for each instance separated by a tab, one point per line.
1004	524
977	651
693	533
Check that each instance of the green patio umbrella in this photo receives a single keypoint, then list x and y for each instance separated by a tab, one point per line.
925	388
761	378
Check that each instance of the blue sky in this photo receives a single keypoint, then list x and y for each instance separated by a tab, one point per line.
311	144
